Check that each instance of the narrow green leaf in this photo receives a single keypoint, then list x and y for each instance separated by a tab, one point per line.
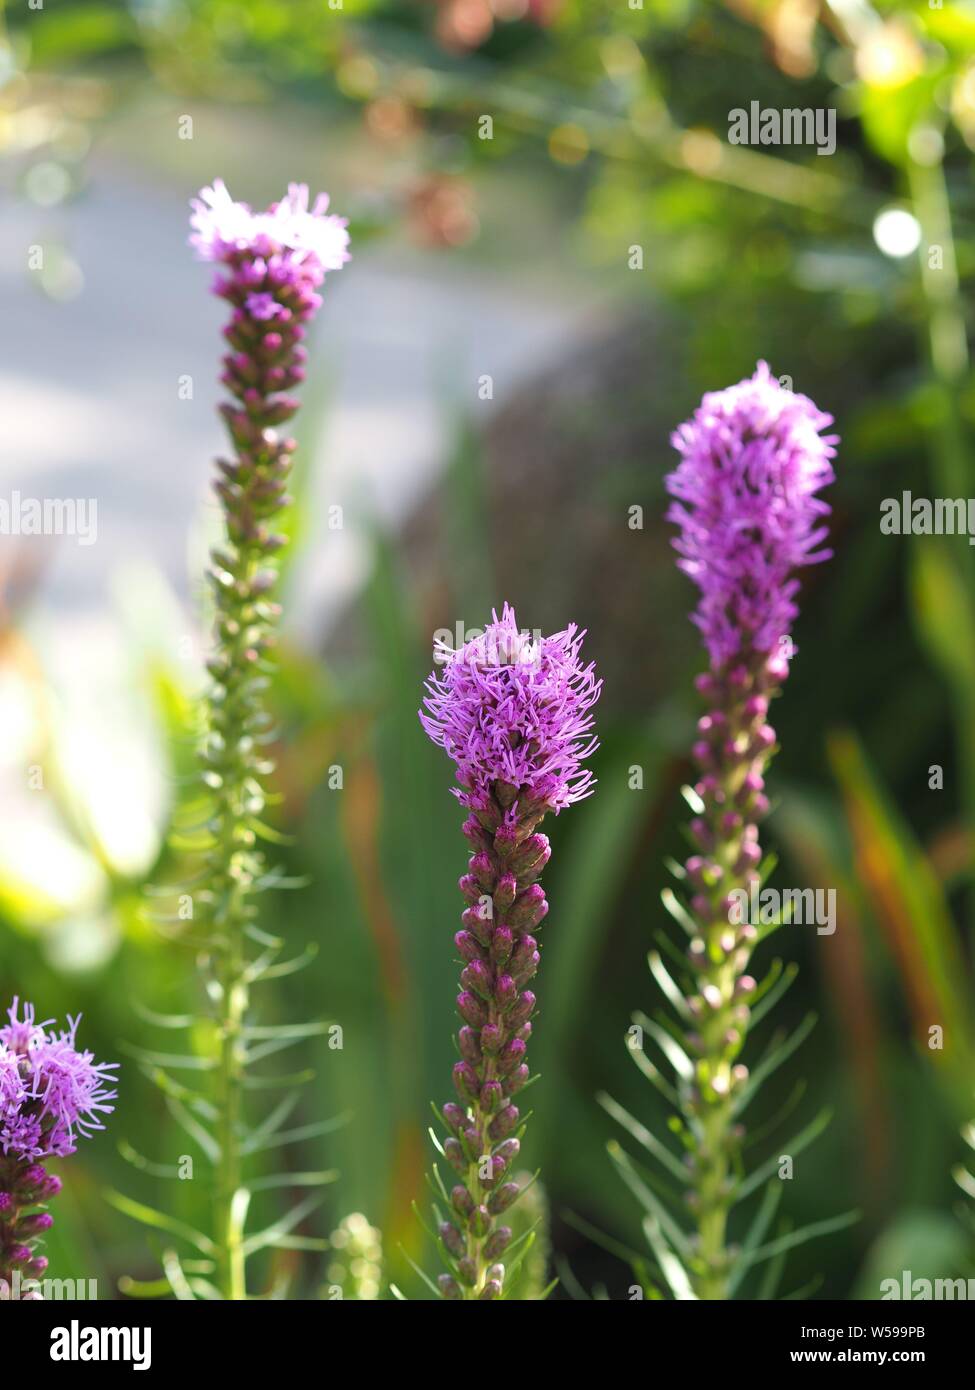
174	1021
674	1053
294	1031
779	1052
280	1229
670	1266
776	983
663	978
159	1221
425	1277
293	1136
643	1136
327	1175
679	912
512	1266
180	1061
761	1132
272	1122
804	1234
278	1082
283	968
194	1129
795	1146
144	1288
192	1100
964	1179
648	1070
649	1199
177	1279
145	1165
598	1237
756	1234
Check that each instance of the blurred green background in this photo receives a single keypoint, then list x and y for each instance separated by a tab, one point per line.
669	261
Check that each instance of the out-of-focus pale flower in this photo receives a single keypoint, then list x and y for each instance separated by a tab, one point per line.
289	229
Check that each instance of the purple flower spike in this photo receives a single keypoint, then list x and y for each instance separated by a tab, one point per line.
514	713
51	1094
515	708
752	461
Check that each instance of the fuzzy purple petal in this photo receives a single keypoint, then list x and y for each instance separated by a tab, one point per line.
50	1092
753	458
515	708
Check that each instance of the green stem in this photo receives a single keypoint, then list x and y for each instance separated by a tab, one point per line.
233	877
235	771
229	1236
720	959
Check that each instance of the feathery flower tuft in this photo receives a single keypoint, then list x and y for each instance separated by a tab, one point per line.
51	1094
513	711
510	707
753	459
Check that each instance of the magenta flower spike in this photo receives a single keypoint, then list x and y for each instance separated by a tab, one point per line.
513	711
753	461
51	1095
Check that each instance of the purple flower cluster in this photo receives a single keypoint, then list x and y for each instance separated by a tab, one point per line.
752	460
515	708
51	1094
273	265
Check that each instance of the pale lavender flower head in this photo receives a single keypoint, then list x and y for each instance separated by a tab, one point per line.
272	265
288	234
50	1092
753	459
514	707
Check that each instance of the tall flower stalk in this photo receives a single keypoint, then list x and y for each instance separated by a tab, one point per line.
51	1095
513	711
271	266
753	460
